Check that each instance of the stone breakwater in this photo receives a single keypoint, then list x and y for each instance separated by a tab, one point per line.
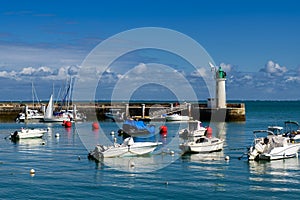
233	112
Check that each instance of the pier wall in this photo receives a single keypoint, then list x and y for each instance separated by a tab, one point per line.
233	112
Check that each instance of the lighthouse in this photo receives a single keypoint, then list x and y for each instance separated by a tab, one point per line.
220	78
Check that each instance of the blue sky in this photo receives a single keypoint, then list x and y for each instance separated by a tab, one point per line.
256	42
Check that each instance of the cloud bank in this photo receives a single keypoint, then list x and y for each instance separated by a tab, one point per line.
273	81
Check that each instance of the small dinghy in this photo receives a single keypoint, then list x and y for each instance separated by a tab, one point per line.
27	133
127	148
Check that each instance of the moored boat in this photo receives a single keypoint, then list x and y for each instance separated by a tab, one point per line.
138	130
202	144
177	117
27	133
272	147
115	114
127	148
194	129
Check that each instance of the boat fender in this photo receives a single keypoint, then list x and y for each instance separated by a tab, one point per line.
15	134
209	132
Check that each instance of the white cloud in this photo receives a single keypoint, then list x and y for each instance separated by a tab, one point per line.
140	68
274	69
292	79
226	67
201	72
43	72
27	71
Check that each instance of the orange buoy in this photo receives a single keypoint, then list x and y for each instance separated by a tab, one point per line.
68	124
163	131
95	125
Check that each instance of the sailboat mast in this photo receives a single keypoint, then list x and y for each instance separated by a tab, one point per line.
32	93
69	95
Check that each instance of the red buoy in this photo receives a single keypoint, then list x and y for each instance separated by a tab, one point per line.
68	124
95	125
209	132
163	131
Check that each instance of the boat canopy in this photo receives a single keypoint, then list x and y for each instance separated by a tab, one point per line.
264	131
140	125
291	122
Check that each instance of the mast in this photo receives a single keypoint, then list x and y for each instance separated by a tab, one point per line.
32	94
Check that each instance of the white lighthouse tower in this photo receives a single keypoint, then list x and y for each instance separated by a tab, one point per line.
220	77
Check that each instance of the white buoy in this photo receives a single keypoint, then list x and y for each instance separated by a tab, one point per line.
112	133
32	171
227	158
57	135
132	164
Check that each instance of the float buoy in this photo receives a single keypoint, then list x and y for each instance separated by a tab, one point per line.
163	131
227	158
68	124
95	125
32	171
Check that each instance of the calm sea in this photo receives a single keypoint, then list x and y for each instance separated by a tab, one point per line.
63	170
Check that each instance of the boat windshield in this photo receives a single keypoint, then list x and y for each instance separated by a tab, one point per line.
194	125
277	130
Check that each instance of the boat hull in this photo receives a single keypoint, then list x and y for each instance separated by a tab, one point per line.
28	134
136	149
278	153
204	147
176	117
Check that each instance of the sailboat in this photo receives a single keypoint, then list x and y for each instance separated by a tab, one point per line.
58	117
66	104
30	114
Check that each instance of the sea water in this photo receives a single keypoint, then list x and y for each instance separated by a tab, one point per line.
63	171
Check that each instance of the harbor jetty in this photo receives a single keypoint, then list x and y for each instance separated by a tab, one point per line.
139	110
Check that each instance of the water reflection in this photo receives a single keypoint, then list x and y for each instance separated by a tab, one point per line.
30	143
205	157
147	163
280	173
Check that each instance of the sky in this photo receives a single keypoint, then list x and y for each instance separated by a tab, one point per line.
46	42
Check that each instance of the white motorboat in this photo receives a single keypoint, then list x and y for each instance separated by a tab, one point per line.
194	129
127	148
202	144
177	117
29	114
26	133
114	114
272	147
